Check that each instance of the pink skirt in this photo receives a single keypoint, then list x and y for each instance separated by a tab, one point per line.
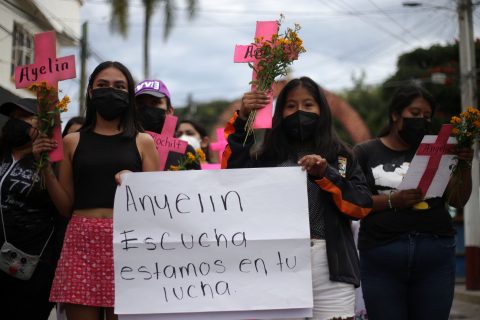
84	272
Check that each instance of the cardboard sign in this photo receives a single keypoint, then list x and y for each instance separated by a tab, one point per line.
47	67
212	241
430	168
248	53
165	142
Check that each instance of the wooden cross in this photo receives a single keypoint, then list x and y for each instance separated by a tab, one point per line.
248	53
47	67
165	142
435	151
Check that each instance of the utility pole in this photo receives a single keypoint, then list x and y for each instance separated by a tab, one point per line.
83	62
468	90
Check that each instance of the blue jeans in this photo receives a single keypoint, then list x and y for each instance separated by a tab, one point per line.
412	278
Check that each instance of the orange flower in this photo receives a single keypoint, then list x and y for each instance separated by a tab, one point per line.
201	154
455	120
191	157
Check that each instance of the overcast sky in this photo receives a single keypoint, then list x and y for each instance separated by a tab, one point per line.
342	38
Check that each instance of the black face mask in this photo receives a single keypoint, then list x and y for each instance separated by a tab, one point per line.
300	125
110	103
16	133
413	130
152	119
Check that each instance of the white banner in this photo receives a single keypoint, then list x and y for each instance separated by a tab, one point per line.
212	241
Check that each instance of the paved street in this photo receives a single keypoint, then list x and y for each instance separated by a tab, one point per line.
466	305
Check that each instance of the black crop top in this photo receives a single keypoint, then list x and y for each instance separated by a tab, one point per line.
95	162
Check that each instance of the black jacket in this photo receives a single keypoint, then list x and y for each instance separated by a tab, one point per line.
350	198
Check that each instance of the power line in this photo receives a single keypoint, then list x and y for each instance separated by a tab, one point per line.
393	20
371	22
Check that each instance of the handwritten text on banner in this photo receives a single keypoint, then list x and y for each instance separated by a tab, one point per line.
209	241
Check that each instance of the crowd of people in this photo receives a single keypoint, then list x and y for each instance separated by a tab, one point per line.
57	226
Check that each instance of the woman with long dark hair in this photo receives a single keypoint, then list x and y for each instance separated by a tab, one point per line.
109	142
407	255
302	135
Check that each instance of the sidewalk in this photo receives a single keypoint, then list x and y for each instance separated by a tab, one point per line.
466	304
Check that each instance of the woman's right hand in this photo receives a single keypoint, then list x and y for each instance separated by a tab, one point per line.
251	101
43	144
406	198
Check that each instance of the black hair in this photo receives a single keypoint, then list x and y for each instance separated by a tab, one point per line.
201	130
128	120
402	98
71	122
203	133
326	143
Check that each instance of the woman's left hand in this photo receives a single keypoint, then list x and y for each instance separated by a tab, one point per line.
314	164
118	176
465	154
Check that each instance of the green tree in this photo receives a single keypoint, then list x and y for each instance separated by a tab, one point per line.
207	113
119	22
424	66
368	101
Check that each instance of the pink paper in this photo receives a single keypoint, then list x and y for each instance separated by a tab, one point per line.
211	166
248	53
435	151
220	145
165	142
47	67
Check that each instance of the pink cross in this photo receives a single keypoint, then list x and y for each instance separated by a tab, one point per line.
165	142
220	145
47	67
435	150
264	30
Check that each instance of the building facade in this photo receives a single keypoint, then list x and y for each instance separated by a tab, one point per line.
20	20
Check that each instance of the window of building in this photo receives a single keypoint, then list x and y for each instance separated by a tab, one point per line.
22	47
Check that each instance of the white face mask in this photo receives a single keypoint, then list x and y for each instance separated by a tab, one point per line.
194	142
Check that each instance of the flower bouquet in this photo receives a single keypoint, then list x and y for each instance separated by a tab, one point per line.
275	57
49	109
466	128
189	159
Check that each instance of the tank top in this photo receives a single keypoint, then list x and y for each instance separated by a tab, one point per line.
96	160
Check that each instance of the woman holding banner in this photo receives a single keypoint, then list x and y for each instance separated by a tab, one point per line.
407	255
108	143
302	135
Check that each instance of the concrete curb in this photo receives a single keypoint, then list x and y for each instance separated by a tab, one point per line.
470	296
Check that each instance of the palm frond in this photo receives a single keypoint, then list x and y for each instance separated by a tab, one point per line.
169	17
119	17
192	8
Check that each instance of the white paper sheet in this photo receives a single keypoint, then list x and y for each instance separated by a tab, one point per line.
243	223
418	166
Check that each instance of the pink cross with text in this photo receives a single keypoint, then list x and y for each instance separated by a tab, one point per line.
435	151
165	142
248	53
47	67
